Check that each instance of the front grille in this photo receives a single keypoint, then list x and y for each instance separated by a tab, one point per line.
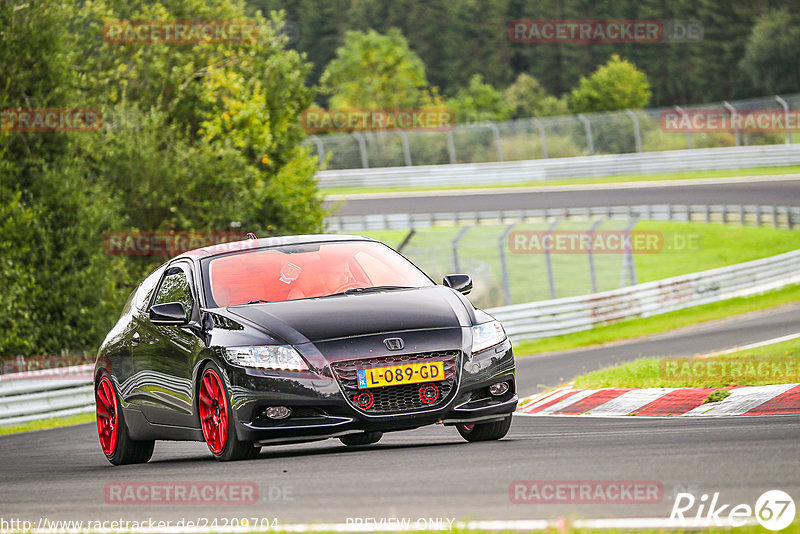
397	399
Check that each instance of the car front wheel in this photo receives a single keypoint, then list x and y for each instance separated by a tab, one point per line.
216	420
485	431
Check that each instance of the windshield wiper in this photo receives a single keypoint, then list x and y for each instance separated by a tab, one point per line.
355	290
257	301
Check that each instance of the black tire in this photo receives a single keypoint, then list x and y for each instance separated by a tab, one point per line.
127	450
485	431
234	448
365	438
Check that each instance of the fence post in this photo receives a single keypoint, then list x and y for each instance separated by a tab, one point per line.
628	265
590	255
451	146
732	111
406	149
588	127
550	277
504	264
406	240
686	117
542	135
362	149
320	148
496	133
637	132
785	106
454	245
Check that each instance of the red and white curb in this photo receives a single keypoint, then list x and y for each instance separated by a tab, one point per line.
688	402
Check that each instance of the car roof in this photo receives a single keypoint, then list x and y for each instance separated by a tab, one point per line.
266	242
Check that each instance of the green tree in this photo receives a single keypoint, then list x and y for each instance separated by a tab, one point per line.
527	98
479	101
374	71
772	56
616	85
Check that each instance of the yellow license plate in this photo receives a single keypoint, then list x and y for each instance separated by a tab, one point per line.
398	375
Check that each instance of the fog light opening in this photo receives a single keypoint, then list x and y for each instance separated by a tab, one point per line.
277	412
498	389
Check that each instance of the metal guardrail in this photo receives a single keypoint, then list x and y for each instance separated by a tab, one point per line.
748	215
515	172
573	314
29	399
26	397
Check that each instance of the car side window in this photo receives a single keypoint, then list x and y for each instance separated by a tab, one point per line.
176	288
145	290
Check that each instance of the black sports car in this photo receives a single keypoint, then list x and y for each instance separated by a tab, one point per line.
296	339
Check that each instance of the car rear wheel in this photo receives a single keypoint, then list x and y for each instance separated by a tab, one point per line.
485	431
216	419
118	447
365	438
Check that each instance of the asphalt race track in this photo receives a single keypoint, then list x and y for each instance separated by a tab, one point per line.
779	192
432	472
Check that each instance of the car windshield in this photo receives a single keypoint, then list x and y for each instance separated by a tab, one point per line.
294	272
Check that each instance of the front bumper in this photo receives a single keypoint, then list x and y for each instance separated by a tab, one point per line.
320	409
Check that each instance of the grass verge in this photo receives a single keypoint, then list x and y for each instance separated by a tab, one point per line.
49	423
684	175
634	328
770	364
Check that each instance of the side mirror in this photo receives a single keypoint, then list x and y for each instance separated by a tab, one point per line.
460	282
169	313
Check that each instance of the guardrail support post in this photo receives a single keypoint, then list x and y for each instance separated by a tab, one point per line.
637	133
504	264
542	135
550	276
785	106
454	246
588	127
362	149
590	255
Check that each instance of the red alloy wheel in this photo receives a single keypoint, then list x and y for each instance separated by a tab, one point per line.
213	412
107	416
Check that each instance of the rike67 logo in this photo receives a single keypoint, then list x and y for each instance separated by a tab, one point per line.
774	510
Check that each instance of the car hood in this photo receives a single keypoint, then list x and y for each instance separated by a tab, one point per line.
322	319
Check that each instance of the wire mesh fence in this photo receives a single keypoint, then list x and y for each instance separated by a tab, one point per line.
514	263
618	132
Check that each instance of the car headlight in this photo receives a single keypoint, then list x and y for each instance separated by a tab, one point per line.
280	357
487	335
